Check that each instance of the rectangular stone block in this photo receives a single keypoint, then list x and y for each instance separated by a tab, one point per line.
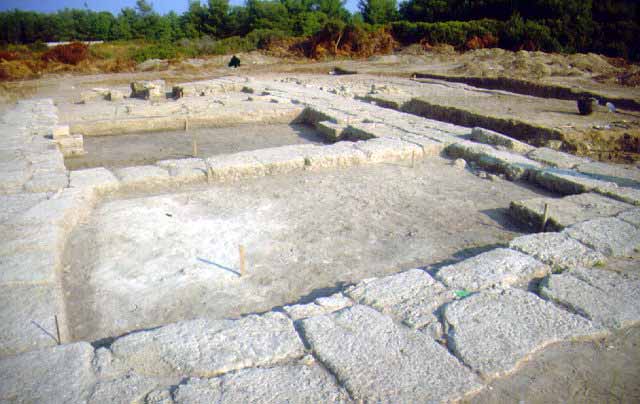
320	306
60	131
556	158
30	267
610	236
625	176
185	171
99	180
487	136
567	182
281	160
337	155
382	150
333	132
142	177
232	167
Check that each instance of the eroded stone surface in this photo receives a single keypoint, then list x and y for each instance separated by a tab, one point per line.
556	158
499	267
492	331
610	236
631	216
322	305
61	374
567	182
208	348
607	298
130	388
621	175
142	176
230	167
557	250
99	179
380	361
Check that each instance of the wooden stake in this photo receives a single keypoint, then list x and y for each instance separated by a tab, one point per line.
194	142
413	159
242	264
55	317
545	217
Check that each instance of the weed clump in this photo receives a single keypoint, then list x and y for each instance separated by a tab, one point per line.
70	54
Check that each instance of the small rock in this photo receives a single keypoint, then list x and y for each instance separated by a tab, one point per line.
460	164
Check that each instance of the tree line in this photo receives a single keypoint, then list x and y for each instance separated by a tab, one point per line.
606	26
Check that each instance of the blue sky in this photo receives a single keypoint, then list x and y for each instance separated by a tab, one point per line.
161	6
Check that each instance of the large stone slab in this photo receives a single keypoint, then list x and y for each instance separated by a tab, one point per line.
337	155
558	250
567	182
487	136
378	360
626	176
610	236
382	150
566	211
142	177
411	297
493	331
280	160
232	167
27	315
283	384
207	348
499	267
556	158
98	179
32	267
130	388
318	307
185	171
607	298
55	375
631	216
624	194
12	205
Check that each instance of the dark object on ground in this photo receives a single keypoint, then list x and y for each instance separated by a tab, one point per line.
234	62
585	105
339	71
177	92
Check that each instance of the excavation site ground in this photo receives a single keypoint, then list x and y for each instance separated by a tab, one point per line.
292	234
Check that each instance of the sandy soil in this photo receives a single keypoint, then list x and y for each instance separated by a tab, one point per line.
148	148
152	260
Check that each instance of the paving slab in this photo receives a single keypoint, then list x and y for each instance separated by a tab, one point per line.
487	136
429	146
493	331
320	306
631	216
378	360
557	250
231	167
185	171
130	388
281	160
30	267
381	150
607	298
338	155
626	176
411	297
27	314
283	384
12	205
610	236
61	374
567	182
624	194
564	212
207	348
498	267
47	182
555	158
142	177
99	179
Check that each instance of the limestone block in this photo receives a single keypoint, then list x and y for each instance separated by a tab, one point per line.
142	177
130	388
412	296
185	170
567	182
610	236
12	182
207	348
148	89
333	132
382	150
566	211
27	315
487	136
32	267
624	194
378	360
25	237
99	180
60	132
626	176
71	141
631	216
558	250
47	182
232	167
556	158
337	155
493	331
55	375
429	146
605	297
499	267
280	160
286	384
115	95
12	205
320	306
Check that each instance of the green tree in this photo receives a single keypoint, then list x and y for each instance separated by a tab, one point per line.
378	11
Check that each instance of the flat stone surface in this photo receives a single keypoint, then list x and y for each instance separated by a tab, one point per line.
631	216
610	236
566	211
12	205
498	139
100	179
381	150
207	348
320	306
231	167
27	317
493	331
130	388
556	158
607	298
624	194
567	182
429	146
337	155
380	361
185	170
47	182
282	384
411	296
142	176
280	160
626	176
558	250
498	267
55	375
33	267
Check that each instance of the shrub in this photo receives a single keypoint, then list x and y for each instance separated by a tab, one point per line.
8	56
154	51
455	33
70	54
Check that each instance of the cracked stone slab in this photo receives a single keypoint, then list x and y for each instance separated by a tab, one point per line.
556	158
141	177
493	331
27	316
631	216
378	360
55	375
558	250
411	297
283	384
320	306
610	236
605	297
207	348
487	136
130	388
429	146
566	211
99	179
626	176
498	267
